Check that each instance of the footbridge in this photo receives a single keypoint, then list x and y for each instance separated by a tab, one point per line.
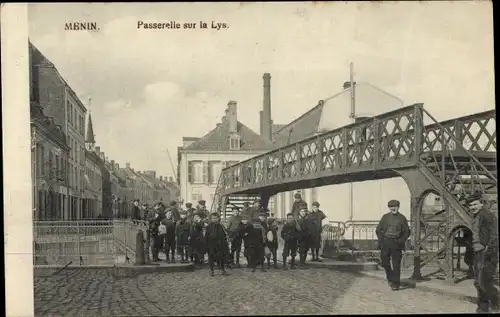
452	159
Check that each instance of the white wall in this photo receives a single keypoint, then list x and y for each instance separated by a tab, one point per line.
205	190
370	199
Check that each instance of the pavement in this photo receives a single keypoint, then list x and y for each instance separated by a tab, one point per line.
318	290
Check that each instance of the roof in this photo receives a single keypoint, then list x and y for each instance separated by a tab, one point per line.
90	131
276	127
322	117
218	139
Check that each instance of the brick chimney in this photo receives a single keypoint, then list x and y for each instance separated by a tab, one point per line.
127	165
232	116
161	178
265	123
112	163
170	179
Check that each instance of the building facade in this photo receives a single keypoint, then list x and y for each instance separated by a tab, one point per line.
92	199
49	167
60	102
201	160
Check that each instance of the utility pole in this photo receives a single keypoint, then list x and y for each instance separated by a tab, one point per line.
172	165
352	116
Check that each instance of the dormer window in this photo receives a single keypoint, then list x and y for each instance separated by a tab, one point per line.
234	142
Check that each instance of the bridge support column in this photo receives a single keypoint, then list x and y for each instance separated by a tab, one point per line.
417	189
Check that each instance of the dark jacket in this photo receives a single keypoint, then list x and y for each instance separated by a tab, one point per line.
289	232
297	205
196	235
485	231
393	227
170	225
315	221
182	232
216	239
253	235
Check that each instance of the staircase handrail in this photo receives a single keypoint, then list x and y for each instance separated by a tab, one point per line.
459	144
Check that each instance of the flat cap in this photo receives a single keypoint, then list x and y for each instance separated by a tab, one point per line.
297	195
393	203
315	204
189	205
473	197
201	202
173	203
245	217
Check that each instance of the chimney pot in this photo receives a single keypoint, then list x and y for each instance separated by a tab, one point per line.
161	178
113	163
127	165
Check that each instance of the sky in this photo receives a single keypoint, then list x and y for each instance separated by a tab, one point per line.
149	88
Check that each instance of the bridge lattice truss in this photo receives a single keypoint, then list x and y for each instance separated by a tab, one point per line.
391	141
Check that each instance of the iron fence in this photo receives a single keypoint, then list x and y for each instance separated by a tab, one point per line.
84	242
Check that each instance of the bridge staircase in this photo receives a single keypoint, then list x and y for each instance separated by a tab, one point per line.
450	159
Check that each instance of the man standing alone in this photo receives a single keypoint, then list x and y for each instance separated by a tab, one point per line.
392	233
485	245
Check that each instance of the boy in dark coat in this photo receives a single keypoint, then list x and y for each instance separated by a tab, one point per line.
315	229
272	245
304	235
196	242
243	233
182	233
170	226
217	244
289	233
256	241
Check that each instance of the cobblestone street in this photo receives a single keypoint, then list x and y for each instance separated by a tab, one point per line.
97	292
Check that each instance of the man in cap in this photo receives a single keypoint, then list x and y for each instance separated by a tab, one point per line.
136	211
246	211
485	246
315	218
174	210
201	208
190	210
233	227
298	203
255	210
392	233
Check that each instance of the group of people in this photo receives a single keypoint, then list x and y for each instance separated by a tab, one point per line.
194	233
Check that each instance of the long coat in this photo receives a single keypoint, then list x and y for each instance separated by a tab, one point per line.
216	240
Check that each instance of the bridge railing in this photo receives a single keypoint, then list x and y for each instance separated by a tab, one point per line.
84	242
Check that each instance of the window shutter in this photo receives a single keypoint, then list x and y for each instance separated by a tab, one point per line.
205	172
210	172
190	172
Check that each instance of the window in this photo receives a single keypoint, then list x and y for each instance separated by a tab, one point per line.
58	168
49	165
196	172
74	116
214	170
234	142
196	197
68	111
76	178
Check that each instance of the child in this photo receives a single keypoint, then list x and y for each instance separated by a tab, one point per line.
217	244
196	239
289	233
255	234
169	237
243	233
272	245
182	234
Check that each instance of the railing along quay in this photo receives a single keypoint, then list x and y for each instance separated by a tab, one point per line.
85	242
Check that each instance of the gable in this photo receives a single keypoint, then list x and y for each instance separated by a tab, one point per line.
218	140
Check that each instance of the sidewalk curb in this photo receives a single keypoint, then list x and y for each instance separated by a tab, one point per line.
353	267
123	270
427	288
